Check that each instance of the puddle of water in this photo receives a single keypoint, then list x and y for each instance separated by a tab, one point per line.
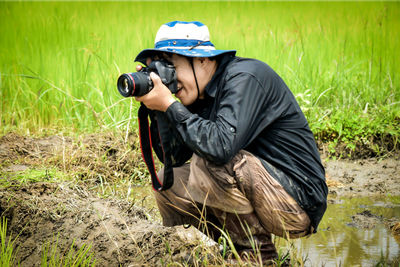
340	243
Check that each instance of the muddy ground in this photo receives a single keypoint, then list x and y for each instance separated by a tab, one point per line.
121	234
119	231
363	177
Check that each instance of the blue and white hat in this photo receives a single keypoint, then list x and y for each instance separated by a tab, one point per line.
190	39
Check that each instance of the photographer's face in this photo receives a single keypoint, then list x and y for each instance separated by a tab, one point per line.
187	89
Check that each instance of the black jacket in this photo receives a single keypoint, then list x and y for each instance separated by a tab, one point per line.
248	106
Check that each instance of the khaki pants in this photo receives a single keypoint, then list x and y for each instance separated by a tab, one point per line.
232	196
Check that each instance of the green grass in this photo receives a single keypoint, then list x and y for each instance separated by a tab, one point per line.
7	247
52	255
32	175
59	61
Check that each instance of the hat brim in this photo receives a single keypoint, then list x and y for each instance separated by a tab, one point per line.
146	53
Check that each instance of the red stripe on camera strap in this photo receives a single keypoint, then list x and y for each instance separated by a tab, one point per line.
147	151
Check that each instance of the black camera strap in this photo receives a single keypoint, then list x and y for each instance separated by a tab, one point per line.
147	147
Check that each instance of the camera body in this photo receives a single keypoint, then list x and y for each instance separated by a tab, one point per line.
139	83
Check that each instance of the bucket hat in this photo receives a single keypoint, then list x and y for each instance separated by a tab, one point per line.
190	39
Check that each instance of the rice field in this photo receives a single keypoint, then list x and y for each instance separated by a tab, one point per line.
59	64
59	61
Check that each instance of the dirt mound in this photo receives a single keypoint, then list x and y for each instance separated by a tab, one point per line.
377	145
14	147
89	157
120	233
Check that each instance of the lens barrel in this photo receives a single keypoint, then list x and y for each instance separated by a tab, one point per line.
134	84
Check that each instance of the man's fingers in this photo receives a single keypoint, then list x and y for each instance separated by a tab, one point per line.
155	78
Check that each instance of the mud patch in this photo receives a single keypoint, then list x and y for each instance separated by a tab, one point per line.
365	177
366	220
14	147
120	233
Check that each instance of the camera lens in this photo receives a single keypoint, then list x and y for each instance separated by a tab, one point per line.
134	84
126	85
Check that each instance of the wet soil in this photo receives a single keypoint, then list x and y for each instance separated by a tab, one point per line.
119	232
363	178
368	220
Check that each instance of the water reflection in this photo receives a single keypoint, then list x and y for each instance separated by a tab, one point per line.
341	243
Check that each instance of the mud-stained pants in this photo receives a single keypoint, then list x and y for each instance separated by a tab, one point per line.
232	196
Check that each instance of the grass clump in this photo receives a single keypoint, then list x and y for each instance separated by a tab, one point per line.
32	175
359	135
52	256
7	250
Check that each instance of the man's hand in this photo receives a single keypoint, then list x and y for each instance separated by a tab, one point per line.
159	98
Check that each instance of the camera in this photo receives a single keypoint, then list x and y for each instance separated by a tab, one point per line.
139	83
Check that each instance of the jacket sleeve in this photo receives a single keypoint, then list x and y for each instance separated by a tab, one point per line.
240	112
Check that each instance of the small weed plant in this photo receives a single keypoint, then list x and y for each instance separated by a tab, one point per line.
52	255
7	250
